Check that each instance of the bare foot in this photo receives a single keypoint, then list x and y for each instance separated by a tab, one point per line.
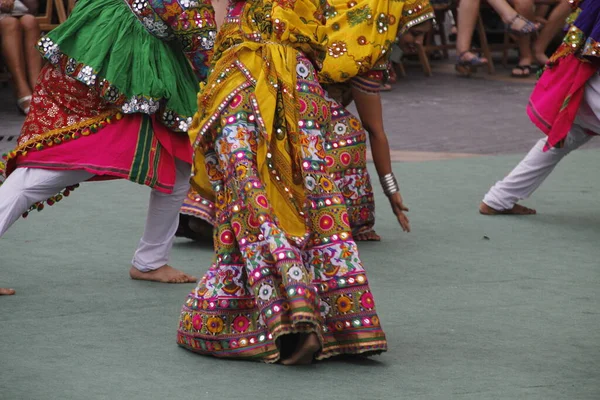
370	236
516	210
6	292
165	274
307	347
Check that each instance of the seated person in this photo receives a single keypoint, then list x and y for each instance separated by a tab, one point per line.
19	33
534	51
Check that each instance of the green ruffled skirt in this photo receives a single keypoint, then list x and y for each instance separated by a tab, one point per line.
104	45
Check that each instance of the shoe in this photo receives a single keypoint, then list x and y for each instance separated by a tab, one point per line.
466	67
526	29
20	102
525	71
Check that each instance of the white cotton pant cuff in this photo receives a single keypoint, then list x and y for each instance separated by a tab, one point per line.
26	186
151	256
154	248
531	172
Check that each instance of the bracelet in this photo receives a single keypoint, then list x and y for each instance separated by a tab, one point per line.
389	184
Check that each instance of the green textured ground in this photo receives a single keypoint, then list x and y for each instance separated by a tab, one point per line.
512	317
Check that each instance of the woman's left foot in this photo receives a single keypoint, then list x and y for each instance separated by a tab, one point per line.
521	71
164	274
521	26
305	352
6	292
517	209
468	62
371	236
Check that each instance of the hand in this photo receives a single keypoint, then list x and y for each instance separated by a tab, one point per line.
6	6
399	208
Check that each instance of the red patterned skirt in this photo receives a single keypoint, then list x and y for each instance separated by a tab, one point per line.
69	127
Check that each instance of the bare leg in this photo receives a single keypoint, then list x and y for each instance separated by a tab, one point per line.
506	12
12	49
555	22
33	58
468	12
526	9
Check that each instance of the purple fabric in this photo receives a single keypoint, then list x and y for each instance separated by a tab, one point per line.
589	22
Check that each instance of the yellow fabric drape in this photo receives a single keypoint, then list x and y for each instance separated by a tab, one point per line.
258	53
261	51
361	32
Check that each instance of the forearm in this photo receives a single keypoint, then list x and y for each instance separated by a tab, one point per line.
194	26
371	114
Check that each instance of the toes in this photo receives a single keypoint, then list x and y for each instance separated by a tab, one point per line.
183	278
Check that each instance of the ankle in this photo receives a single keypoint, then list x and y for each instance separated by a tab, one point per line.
21	92
508	18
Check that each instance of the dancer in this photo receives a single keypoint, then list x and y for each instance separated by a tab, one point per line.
565	105
345	143
286	283
115	101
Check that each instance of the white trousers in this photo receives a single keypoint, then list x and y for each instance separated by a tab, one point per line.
26	186
529	174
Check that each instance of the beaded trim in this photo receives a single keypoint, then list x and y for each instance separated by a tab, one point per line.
57	137
417	21
110	93
149	19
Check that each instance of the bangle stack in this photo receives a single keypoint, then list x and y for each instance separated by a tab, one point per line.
389	184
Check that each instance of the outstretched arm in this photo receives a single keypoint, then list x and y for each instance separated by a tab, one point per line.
371	114
194	25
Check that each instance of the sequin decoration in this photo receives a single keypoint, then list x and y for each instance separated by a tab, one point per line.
110	93
265	283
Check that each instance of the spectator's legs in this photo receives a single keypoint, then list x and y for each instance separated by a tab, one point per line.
553	25
11	34
468	12
526	9
31	30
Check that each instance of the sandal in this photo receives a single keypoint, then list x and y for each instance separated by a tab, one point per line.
526	29
466	67
525	71
20	102
386	87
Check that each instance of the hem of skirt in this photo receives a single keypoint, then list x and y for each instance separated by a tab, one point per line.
203	215
57	137
100	175
373	348
273	355
128	104
364	350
